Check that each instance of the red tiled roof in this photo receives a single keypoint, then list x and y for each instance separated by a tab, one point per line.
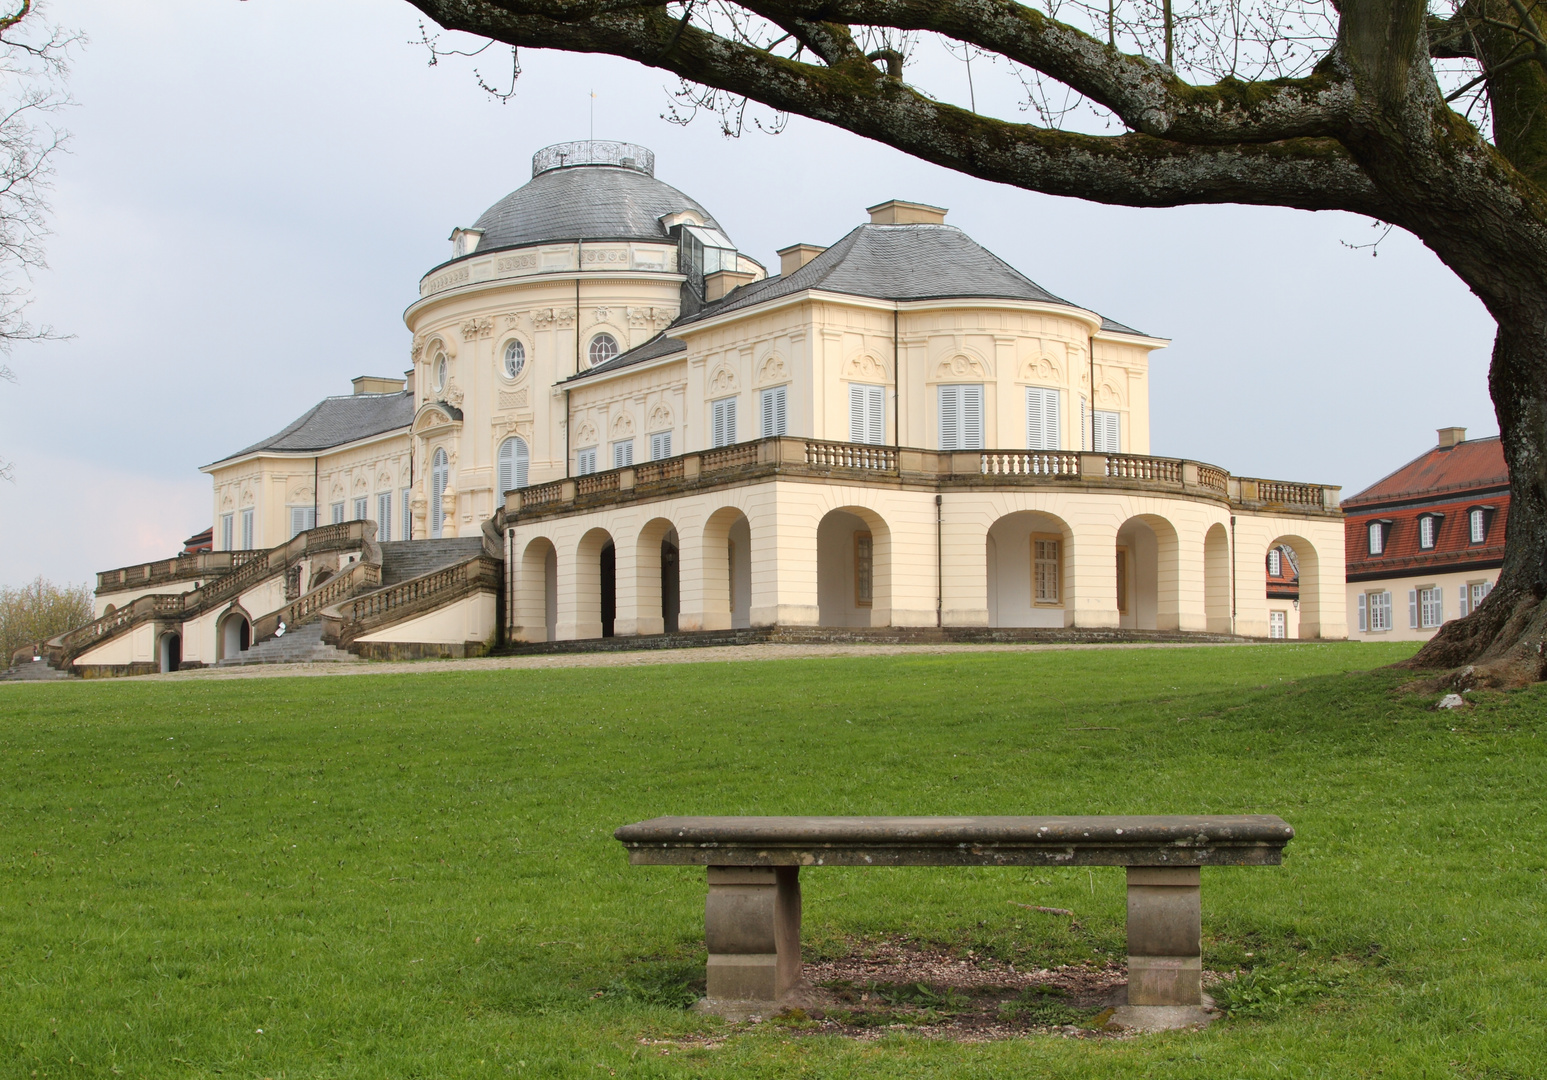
1476	463
1285	585
1402	557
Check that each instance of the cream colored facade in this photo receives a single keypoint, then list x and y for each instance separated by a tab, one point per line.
1408	607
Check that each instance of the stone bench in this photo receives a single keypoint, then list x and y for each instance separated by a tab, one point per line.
752	916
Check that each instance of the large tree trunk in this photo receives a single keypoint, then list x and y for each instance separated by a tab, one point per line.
1503	641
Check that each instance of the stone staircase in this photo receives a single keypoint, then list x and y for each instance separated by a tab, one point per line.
303	645
33	671
405	559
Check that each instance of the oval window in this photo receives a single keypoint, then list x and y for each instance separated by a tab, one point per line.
440	372
603	348
515	359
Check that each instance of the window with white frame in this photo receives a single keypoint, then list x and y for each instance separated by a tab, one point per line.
1428	527
1045	576
384	515
227	531
773	411
1377	537
1278	625
515	359
961	416
603	348
1477	525
337	512
585	461
1042	418
1479	591
1108	433
867	414
408	513
440	477
362	508
514	460
1275	563
302	518
1430	607
660	445
442	371
722	426
249	534
1379	608
622	453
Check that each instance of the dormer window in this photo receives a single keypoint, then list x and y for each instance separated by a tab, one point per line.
464	241
1428	530
1477	524
1378	533
1275	563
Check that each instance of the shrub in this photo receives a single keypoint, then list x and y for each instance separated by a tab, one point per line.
37	611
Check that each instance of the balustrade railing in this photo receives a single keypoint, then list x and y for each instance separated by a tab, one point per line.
658	472
838	455
1029	463
1290	494
728	457
1134	467
360	575
1210	477
376	604
542	494
596	483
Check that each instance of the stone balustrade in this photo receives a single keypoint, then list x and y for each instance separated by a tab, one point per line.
945	469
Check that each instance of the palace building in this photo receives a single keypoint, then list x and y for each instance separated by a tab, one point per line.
616	423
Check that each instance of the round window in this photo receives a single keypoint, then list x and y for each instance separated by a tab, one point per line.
440	372
515	359
603	348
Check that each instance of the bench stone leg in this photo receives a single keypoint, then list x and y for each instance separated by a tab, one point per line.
752	928
1165	936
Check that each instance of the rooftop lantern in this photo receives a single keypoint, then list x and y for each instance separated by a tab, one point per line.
622	155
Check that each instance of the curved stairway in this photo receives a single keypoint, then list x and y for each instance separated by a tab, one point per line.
303	645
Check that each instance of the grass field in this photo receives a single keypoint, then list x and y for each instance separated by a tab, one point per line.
414	876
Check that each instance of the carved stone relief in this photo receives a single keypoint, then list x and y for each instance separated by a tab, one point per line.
454	395
1040	369
622	425
586	436
516	262
513	399
660	417
774	369
865	368
723	381
961	367
1108	394
477	328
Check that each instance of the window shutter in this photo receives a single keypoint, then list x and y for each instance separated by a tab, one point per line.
1439	605
972	418
523	463
660	445
1050	420
875	414
730	421
1412	608
1363	623
1084	427
768	413
1034	419
717	431
950	409
781	412
408	514
507	464
384	516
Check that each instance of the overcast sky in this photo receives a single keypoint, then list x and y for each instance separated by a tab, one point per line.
254	190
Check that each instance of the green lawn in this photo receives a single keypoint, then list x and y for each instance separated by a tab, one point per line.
413	875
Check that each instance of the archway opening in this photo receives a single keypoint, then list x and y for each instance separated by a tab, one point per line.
608	569
853	569
1147	574
1027	553
657	580
594	606
671	585
170	652
537	593
1292	577
727	570
1216	580
235	635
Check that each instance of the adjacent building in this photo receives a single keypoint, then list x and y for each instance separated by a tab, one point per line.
1424	545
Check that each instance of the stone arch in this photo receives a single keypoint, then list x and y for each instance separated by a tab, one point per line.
726	569
233	632
854	578
1216	580
1028	583
537	592
657	582
1304	612
169	651
1147	566
596	584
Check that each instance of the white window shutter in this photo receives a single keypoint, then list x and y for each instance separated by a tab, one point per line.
718	435
1462	609
507	464
781	411
768	414
950	410
875	414
856	413
1363	620
1050	420
1035	437
1439	605
1084	426
1412	608
972	418
730	421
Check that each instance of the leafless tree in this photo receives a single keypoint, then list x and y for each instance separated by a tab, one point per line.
34	58
1426	116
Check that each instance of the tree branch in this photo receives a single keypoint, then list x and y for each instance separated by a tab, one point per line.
1132	170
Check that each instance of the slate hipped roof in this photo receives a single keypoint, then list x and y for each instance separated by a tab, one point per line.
880	262
335	421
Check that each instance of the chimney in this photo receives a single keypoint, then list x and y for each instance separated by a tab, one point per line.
1450	436
795	256
408	380
897	212
376	384
721	282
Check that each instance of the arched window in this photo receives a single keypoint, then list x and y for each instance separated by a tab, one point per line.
515	359
513	460
440	372
603	348
440	473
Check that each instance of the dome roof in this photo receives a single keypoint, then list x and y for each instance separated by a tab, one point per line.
586	191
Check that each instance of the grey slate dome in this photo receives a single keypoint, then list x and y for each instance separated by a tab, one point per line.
586	191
